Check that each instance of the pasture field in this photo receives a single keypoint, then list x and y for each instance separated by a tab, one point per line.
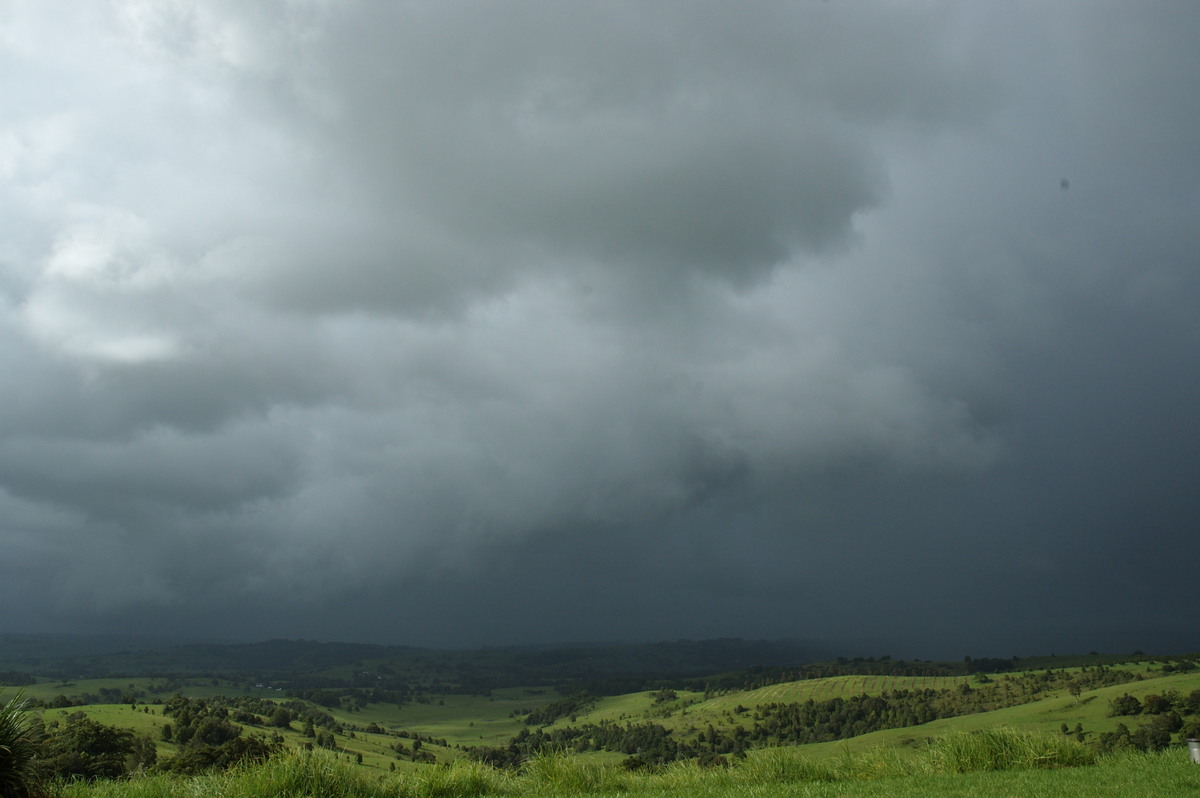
459	719
146	689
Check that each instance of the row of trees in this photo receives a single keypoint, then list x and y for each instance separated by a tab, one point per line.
795	723
650	743
569	705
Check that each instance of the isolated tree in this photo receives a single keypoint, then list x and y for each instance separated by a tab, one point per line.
1125	705
1155	704
214	731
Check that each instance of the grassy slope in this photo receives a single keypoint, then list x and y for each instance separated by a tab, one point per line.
473	720
692	709
1046	715
460	720
831	687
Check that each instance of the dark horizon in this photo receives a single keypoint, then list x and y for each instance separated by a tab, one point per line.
100	644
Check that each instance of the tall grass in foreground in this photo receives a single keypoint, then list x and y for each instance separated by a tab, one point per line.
1005	749
996	757
565	774
18	746
295	774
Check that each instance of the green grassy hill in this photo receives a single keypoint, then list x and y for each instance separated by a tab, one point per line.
434	720
1047	715
465	721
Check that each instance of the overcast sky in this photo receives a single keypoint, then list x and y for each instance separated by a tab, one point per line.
462	323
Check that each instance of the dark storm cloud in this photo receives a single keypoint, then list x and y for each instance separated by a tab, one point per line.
675	137
459	322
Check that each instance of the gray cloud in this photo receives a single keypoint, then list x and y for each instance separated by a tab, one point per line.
564	321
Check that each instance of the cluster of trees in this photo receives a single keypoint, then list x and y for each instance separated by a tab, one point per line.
209	737
78	747
311	717
1181	665
318	726
1170	713
199	758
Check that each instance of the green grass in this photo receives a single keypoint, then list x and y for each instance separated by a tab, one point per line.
1000	763
459	719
